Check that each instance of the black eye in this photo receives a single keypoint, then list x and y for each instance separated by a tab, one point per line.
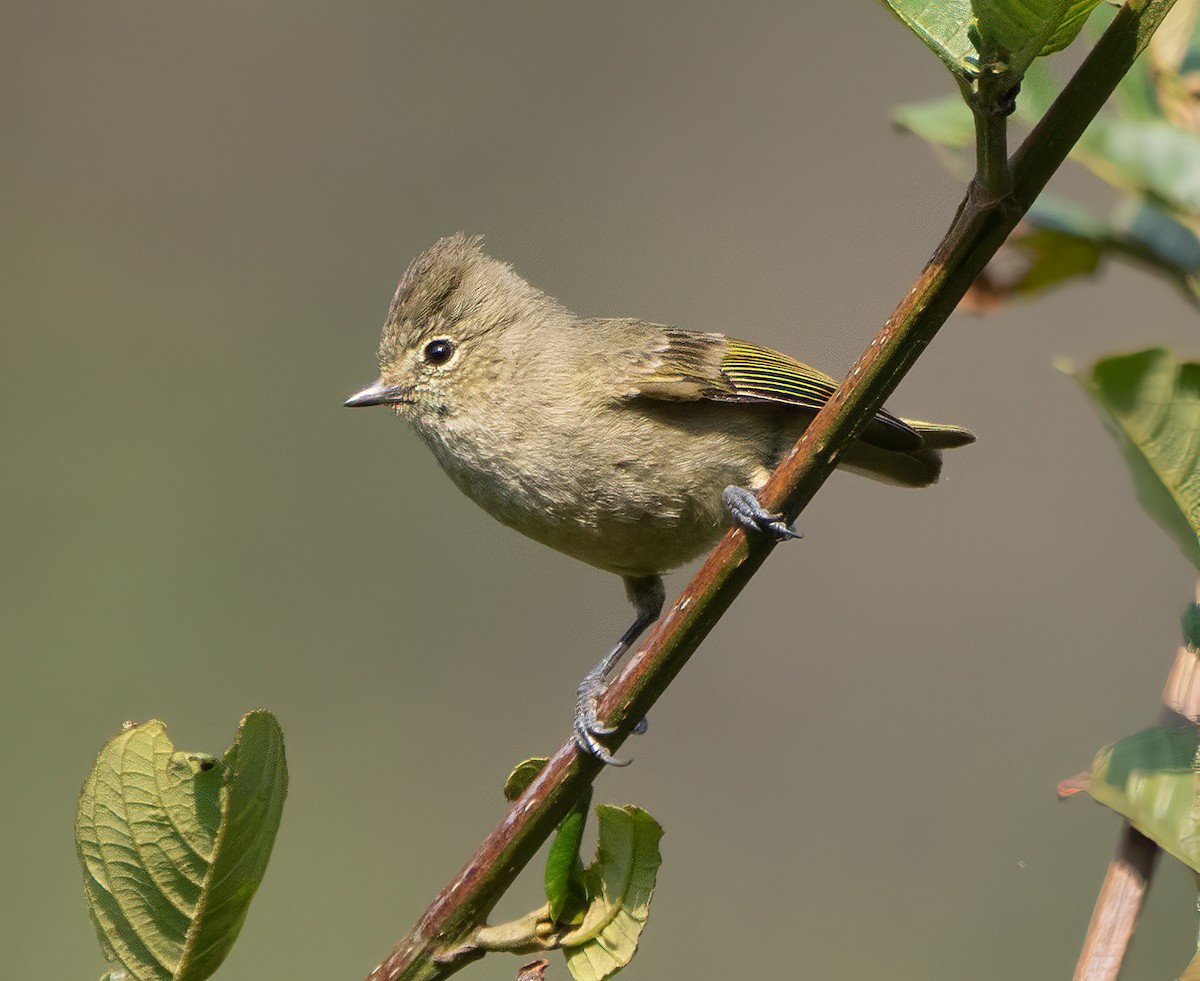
439	351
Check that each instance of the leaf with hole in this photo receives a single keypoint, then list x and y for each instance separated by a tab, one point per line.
174	845
621	884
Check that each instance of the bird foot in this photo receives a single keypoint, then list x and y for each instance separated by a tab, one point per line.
588	729
747	512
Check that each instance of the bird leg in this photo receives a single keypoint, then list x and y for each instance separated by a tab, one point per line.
747	512
647	595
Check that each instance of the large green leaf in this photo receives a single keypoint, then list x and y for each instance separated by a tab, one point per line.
957	30
1152	404
174	845
1150	778
621	884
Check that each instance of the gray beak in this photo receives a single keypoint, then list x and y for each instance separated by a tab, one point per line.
378	394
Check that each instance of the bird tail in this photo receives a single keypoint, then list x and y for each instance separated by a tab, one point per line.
914	468
940	436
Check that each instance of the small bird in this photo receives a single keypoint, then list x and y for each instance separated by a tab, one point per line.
628	445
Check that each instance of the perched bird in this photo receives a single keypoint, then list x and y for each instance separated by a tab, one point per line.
625	444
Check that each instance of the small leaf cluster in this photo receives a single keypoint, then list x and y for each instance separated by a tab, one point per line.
1146	146
595	915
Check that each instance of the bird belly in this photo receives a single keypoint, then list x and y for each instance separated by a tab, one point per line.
643	499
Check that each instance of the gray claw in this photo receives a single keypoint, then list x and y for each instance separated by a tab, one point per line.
587	727
747	512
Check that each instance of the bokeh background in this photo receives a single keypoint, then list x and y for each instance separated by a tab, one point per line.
206	209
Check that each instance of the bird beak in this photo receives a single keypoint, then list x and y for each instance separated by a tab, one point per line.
378	394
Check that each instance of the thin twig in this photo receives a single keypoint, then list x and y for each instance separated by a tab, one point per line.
438	944
1117	907
1110	929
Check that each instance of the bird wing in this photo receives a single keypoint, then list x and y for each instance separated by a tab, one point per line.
689	365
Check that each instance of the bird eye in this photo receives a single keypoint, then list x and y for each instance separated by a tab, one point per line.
439	351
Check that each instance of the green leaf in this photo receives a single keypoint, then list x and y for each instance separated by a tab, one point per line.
622	883
1166	246
1069	25
945	122
522	776
1189	625
943	26
1152	404
566	891
1054	254
173	845
1170	242
1151	157
956	30
1018	31
1059	240
1150	779
1039	89
566	888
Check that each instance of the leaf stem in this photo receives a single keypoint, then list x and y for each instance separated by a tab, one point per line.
531	934
978	230
992	102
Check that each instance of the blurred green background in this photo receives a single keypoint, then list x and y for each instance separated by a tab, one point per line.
206	209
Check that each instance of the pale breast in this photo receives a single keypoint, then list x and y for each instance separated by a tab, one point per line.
633	488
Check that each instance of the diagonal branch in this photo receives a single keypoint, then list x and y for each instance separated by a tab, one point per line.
440	942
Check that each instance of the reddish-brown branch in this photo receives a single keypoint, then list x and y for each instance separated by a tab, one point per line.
440	942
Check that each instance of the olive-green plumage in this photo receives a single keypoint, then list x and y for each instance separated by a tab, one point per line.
608	439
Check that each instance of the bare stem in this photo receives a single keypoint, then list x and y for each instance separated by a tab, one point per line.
439	943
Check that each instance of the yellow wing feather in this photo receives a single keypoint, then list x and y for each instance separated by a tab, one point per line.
690	365
762	375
